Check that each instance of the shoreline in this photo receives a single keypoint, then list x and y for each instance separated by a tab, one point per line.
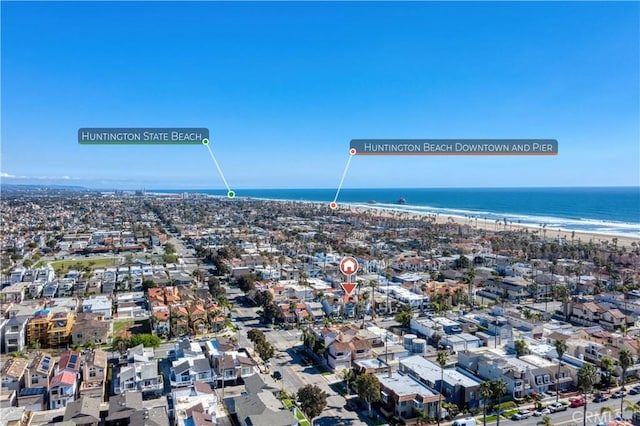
494	224
555	234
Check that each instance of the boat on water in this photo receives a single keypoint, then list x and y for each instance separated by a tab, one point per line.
401	200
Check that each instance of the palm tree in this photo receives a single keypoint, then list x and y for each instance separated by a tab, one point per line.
561	349
471	274
632	406
606	365
498	390
441	359
625	360
347	376
373	285
485	393
587	377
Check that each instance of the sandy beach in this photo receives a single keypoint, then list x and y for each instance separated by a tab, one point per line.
493	226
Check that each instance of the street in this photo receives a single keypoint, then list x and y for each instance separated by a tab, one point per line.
574	416
294	374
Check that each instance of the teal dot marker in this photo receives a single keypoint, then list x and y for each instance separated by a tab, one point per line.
231	194
205	141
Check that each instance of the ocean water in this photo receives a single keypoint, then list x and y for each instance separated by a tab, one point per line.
609	211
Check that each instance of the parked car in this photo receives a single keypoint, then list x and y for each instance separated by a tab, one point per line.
634	390
557	406
600	398
542	412
521	415
577	402
619	394
277	375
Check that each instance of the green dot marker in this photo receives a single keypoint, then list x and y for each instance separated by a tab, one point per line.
205	141
231	194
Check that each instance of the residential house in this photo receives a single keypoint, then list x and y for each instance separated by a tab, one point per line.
33	399
122	407
90	328
40	371
83	412
140	353
259	406
13	293
458	386
197	319
185	371
513	289
141	377
94	374
12	374
98	305
404	396
195	404
62	389
8	398
232	366
339	355
15	332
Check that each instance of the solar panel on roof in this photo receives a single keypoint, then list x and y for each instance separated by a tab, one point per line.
31	391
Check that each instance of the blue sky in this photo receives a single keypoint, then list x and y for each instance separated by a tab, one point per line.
283	88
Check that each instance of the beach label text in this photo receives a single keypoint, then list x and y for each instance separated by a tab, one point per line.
454	147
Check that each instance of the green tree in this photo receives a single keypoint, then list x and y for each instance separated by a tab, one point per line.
368	388
561	349
145	339
441	359
498	390
312	400
256	336
120	344
265	350
521	348
486	393
452	409
147	284
587	377
404	316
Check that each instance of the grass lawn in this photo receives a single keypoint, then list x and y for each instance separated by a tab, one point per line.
300	416
136	327
287	403
117	325
325	373
508	414
304	423
94	262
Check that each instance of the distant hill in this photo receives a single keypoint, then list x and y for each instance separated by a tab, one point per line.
34	187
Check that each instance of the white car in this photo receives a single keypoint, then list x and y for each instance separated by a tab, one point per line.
542	412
